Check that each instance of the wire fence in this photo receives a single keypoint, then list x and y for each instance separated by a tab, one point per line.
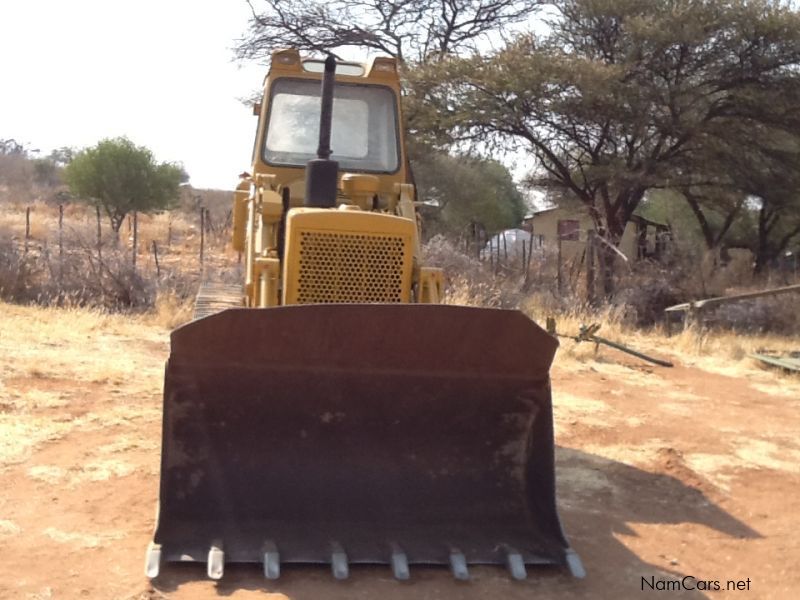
69	254
580	270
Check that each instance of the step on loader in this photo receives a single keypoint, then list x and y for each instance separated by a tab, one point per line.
332	411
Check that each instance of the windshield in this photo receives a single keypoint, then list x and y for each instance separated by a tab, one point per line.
363	135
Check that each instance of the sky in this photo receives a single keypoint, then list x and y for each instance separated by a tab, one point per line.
160	72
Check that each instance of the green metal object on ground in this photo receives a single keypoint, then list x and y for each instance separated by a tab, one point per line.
790	362
586	333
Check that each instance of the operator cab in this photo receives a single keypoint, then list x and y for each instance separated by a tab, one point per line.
364	136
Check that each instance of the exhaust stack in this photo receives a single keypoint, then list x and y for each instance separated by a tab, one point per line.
322	173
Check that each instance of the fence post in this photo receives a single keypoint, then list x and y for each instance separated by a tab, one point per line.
590	292
560	266
602	267
60	247
155	257
27	227
528	262
169	230
99	234
135	238
202	234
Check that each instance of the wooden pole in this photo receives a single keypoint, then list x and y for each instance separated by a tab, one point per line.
202	234
155	257
27	227
603	268
99	234
60	246
590	295
135	238
169	231
527	265
528	262
560	277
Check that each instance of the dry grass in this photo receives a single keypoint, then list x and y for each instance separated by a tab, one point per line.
170	310
168	299
723	352
55	357
718	350
66	267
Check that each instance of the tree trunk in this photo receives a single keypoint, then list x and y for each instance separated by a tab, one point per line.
712	239
762	258
608	260
606	255
116	219
708	235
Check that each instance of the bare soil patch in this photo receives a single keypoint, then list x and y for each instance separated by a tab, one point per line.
662	473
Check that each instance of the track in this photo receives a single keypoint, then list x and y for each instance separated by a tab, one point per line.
215	297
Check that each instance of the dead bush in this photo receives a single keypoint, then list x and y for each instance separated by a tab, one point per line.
778	314
469	281
644	293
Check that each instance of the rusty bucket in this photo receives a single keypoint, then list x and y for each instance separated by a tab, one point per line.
350	434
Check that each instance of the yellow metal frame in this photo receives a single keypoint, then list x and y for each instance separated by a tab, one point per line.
431	285
289	64
374	204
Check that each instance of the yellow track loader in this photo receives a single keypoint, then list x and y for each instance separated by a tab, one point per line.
332	411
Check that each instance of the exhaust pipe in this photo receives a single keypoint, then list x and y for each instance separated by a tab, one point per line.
322	173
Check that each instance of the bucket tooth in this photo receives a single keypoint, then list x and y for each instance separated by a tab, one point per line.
458	565
272	561
216	562
152	562
400	563
339	564
515	564
574	564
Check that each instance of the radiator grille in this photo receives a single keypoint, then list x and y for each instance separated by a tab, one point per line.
340	267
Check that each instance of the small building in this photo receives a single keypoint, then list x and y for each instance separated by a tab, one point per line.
643	238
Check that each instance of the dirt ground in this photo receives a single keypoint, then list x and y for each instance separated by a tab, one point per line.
662	474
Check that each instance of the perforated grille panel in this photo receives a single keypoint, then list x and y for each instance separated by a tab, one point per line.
341	267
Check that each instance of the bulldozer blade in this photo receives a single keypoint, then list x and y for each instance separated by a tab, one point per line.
351	434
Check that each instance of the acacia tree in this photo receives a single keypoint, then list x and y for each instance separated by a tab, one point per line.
774	187
621	95
466	190
751	191
409	30
121	177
